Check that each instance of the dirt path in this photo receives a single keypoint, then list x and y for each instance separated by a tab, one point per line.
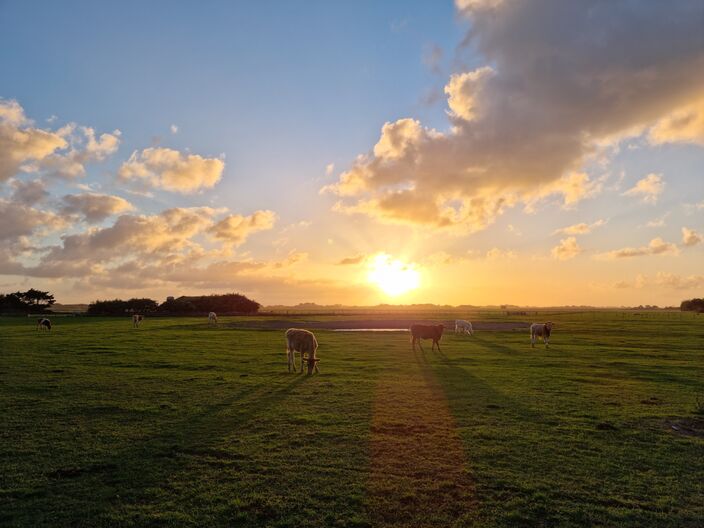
419	473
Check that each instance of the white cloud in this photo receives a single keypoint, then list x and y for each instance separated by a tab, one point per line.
500	254
567	249
28	193
580	229
690	237
667	280
174	129
657	246
172	170
686	124
648	188
234	229
18	220
94	207
463	91
20	142
522	131
658	222
329	169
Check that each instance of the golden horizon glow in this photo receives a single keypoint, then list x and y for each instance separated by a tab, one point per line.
392	276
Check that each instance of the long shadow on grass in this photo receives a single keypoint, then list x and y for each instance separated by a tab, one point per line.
471	395
149	463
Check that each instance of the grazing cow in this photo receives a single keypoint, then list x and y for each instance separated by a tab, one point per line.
540	330
212	318
44	324
302	341
463	327
136	319
419	331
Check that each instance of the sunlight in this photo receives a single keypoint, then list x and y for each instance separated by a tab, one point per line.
392	276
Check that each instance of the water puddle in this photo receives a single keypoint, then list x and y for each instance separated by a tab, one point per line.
370	329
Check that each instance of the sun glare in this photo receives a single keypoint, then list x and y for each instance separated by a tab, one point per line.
392	276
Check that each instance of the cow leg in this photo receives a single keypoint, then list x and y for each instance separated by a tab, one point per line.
438	345
420	344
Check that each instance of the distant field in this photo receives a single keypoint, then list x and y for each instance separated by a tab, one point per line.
179	424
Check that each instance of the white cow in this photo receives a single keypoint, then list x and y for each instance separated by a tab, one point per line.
136	320
463	327
212	318
44	324
540	330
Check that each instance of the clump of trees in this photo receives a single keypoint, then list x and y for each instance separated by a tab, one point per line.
228	303
693	305
120	307
30	301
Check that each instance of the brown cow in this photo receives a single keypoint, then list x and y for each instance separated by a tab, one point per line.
419	331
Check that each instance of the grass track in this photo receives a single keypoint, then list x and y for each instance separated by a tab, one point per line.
177	424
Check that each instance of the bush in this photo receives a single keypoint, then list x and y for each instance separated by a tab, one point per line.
692	305
120	307
228	303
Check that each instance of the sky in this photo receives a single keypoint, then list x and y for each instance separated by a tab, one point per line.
479	152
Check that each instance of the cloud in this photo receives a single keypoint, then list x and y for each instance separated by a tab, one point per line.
432	57
463	92
657	246
172	170
357	259
18	220
648	188
658	222
500	254
94	207
551	96
329	169
567	249
234	229
686	124
28	193
174	129
666	280
579	229
690	237
20	142
61	153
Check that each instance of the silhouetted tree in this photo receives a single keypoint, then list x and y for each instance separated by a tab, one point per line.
692	305
36	300
120	307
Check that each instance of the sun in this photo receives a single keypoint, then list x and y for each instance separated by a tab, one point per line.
392	276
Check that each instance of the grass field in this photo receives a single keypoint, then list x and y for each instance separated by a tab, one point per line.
178	424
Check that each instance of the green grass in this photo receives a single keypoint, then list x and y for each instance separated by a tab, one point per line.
178	424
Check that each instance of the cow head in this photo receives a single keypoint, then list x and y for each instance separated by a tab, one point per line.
312	361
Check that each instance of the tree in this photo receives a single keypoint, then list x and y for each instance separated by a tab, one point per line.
692	305
37	301
12	304
120	307
30	301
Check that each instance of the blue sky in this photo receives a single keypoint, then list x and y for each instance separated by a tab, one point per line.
282	88
458	139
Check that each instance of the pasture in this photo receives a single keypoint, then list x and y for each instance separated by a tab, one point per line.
179	424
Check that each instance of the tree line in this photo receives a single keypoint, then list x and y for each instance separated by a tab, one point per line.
185	305
692	305
30	301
